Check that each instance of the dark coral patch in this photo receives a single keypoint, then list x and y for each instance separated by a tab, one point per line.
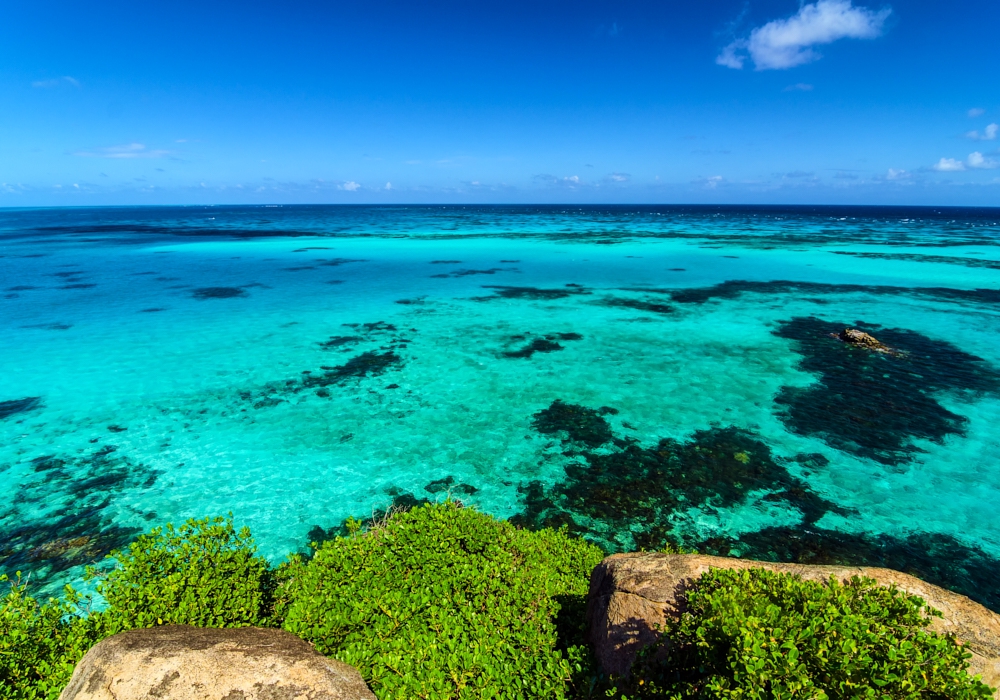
536	345
79	285
65	520
917	257
12	408
636	304
543	344
337	262
218	293
734	288
532	293
580	424
367	364
468	273
872	404
446	262
339	341
626	496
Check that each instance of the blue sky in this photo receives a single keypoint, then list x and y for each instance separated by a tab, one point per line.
769	101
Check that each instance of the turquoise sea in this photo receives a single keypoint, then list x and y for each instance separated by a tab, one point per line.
641	375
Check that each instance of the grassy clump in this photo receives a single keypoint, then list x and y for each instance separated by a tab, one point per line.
445	602
758	634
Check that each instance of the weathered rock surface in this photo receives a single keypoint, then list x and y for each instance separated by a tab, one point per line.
864	340
632	593
177	662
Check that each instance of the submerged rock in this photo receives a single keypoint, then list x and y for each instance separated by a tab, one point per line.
190	663
863	340
633	594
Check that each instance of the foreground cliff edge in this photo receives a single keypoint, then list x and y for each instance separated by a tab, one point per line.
633	594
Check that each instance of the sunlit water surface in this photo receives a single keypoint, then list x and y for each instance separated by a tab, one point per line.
641	375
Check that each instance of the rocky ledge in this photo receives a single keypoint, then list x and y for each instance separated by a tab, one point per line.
190	663
630	594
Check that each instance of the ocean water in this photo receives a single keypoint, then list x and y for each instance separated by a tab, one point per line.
642	375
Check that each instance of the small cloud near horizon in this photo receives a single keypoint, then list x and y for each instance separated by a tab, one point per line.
786	43
989	133
948	165
980	162
130	150
350	186
709	183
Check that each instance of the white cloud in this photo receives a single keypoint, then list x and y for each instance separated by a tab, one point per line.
976	112
388	185
894	174
709	183
803	87
129	150
65	80
989	133
949	165
785	43
619	177
981	162
350	186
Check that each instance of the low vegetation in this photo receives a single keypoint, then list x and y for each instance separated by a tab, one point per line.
445	602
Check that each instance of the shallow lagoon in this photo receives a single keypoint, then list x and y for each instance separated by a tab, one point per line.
166	363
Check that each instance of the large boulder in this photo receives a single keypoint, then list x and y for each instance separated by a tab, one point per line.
630	594
177	662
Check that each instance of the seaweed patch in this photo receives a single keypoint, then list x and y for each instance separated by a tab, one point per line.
337	262
917	257
532	293
545	343
16	406
69	499
448	484
625	496
218	293
339	341
467	273
367	364
637	304
733	289
872	404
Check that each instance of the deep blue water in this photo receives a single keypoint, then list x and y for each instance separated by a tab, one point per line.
639	374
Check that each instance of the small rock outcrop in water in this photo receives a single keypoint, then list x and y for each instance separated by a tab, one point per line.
191	663
863	340
632	594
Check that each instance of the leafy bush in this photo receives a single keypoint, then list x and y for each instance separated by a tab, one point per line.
443	602
203	573
39	643
760	634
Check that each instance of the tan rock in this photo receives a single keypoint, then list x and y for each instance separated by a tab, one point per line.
632	593
177	662
864	340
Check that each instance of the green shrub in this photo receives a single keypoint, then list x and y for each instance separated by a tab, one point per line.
203	573
39	644
758	634
443	602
